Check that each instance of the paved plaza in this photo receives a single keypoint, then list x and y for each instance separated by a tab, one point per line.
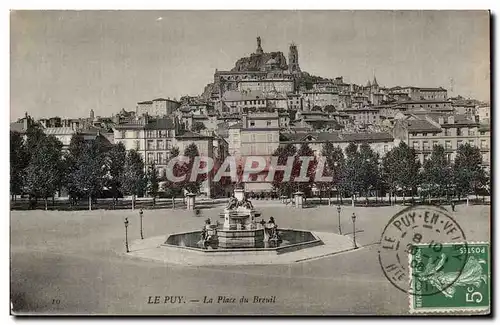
74	262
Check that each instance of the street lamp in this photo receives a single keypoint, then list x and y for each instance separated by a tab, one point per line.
338	211
353	217
126	235
141	214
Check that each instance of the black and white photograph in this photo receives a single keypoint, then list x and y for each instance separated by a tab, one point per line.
250	162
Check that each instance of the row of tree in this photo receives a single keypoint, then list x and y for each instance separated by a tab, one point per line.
39	168
360	171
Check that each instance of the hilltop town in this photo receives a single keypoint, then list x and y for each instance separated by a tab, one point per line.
266	100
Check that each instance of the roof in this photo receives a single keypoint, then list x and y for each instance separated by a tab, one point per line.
484	127
369	137
190	134
236	126
422	126
432	89
260	129
146	102
423	101
59	131
233	96
161	123
164	100
337	137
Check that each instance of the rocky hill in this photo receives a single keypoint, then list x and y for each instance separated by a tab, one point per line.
257	62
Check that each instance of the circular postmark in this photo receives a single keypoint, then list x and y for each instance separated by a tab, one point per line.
423	250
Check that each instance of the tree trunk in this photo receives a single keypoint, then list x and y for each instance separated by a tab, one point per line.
46	206
133	202
90	202
154	201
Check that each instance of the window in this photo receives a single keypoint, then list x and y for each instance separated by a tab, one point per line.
160	144
484	145
426	145
150	145
268	123
252	123
448	144
459	131
482	133
446	132
435	143
459	143
150	158
122	134
162	133
159	158
386	148
424	134
471	142
416	145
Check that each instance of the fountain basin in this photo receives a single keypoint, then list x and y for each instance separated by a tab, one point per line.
291	240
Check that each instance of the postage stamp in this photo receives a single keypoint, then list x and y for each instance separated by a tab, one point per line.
417	225
460	288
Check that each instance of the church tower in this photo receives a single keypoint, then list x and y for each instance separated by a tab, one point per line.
259	47
293	59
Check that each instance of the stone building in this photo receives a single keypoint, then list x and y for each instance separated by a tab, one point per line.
157	107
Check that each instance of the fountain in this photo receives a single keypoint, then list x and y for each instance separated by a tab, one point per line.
241	231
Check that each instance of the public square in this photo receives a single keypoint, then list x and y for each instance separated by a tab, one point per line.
75	263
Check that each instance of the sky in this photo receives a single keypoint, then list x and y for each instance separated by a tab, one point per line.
64	63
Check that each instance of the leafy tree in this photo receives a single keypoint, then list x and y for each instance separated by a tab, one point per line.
334	167
437	173
18	162
89	170
133	175
34	136
319	125
352	178
198	126
467	170
43	173
192	153
115	163
284	186
369	173
330	109
76	148
153	182
401	169
305	151
174	152
316	108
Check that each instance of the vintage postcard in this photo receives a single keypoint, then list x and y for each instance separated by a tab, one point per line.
284	162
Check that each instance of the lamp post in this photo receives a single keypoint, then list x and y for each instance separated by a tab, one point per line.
141	215
339	209
126	235
353	217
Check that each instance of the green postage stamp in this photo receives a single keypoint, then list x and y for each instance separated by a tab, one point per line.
442	282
